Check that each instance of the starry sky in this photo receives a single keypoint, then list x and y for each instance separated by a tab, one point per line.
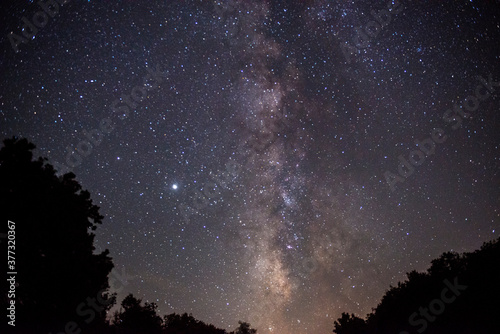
277	162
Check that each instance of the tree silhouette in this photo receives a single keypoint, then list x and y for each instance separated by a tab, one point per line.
135	318
244	328
187	324
349	324
458	294
59	278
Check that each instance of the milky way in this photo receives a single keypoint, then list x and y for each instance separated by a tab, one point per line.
259	161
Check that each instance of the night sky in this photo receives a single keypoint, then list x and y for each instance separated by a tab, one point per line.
277	163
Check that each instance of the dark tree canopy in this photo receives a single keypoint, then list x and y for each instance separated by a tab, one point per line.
135	318
245	328
62	286
349	324
187	324
55	261
458	294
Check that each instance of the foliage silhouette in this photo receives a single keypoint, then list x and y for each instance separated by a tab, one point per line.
54	253
245	328
137	319
187	324
458	294
349	324
60	280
